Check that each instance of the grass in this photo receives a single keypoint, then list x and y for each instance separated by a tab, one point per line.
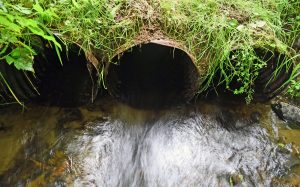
209	29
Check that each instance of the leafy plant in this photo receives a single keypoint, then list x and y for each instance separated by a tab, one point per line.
17	31
295	88
18	28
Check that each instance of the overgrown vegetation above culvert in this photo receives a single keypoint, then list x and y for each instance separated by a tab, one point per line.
209	30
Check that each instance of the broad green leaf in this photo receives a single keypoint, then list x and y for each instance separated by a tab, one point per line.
37	31
46	15
26	22
3	50
2	7
24	64
52	39
37	7
10	17
28	48
9	25
17	52
49	15
23	10
9	60
21	58
6	36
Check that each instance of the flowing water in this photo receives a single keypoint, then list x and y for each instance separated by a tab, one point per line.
110	144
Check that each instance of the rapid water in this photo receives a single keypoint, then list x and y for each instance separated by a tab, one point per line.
203	144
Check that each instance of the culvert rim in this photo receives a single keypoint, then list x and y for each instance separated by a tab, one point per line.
160	42
163	42
47	64
266	85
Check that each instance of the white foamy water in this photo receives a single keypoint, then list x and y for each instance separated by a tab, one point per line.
175	149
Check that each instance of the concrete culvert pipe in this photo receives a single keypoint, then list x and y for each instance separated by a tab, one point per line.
152	75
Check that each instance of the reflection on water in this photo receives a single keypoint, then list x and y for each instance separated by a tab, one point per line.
203	144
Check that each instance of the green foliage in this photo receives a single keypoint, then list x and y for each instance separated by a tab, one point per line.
210	30
21	58
100	25
246	70
292	23
214	28
294	88
18	25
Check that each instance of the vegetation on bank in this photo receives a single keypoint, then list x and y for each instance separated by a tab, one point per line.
210	29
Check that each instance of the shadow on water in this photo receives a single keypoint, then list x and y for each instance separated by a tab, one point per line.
203	144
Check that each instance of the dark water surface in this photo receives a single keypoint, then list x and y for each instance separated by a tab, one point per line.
110	144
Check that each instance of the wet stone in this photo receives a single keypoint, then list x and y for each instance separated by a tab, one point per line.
70	115
201	145
73	125
255	117
4	127
228	120
95	107
225	118
287	112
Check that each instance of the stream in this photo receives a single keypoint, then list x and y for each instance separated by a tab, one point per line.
110	144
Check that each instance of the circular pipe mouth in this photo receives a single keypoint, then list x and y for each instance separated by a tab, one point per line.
152	75
270	81
68	84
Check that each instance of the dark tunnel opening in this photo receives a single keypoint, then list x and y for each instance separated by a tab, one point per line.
152	76
269	83
68	84
272	78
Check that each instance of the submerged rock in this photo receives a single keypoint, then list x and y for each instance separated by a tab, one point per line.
287	112
70	115
4	127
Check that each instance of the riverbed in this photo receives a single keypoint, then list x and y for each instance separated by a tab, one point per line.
203	143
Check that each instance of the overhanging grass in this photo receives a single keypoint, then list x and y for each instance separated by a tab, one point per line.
210	30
